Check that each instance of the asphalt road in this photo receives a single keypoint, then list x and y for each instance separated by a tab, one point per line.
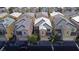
43	46
66	46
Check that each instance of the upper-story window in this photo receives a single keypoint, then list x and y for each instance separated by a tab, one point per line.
68	9
3	10
24	32
77	9
48	29
2	32
72	29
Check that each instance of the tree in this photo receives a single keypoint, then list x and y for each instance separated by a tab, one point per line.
14	9
33	38
53	36
40	9
11	9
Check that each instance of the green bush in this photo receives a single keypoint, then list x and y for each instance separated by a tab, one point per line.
77	38
33	38
11	38
53	38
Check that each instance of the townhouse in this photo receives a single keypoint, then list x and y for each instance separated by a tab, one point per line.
75	21
24	26
64	27
42	26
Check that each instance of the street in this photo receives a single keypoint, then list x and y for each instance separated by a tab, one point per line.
41	46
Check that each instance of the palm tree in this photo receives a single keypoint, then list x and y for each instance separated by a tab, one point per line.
53	35
10	9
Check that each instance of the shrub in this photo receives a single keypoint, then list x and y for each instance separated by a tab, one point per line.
11	38
53	38
33	38
77	38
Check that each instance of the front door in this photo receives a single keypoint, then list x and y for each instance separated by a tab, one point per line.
59	34
43	35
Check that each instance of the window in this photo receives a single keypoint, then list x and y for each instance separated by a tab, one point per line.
48	34
16	26
25	32
72	29
42	32
77	9
3	10
2	32
19	32
23	19
5	24
73	33
48	29
69	9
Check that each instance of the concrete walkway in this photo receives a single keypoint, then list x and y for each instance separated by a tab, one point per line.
44	38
